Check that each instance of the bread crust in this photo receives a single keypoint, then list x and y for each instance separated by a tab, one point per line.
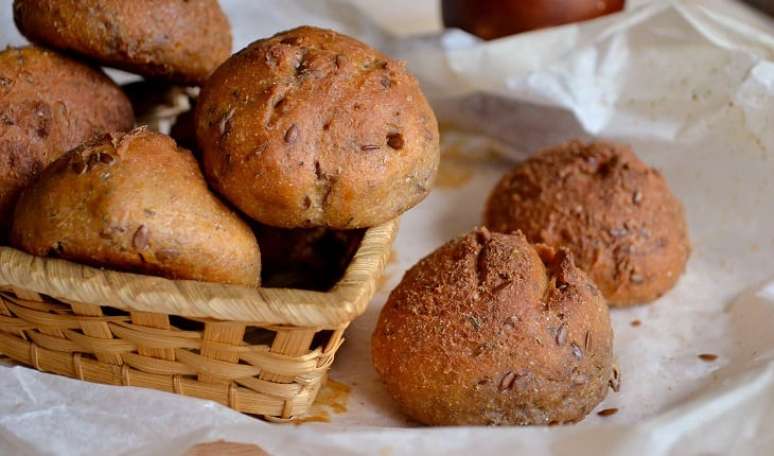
312	128
489	329
49	104
135	202
180	41
618	216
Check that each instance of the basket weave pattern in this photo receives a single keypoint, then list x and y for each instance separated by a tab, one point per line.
259	351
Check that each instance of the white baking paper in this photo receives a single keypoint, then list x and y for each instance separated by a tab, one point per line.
689	84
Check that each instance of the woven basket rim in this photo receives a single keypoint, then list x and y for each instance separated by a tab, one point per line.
73	282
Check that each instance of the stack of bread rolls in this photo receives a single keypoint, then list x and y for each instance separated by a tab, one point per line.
302	141
302	133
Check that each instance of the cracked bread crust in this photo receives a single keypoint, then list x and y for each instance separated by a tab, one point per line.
618	216
489	329
135	202
312	128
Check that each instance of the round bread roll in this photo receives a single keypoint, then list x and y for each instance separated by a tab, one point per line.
135	202
490	19
623	225
490	330
179	41
48	105
313	128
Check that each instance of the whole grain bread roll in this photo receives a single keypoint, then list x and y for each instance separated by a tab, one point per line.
135	202
49	104
312	128
491	330
617	215
179	41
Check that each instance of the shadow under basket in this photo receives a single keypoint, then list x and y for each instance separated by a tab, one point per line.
261	351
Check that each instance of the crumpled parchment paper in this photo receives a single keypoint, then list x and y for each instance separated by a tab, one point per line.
688	83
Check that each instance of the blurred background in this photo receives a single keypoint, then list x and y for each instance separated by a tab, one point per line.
398	17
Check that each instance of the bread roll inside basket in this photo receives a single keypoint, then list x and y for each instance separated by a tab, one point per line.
262	351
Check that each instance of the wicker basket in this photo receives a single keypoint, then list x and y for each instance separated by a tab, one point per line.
260	351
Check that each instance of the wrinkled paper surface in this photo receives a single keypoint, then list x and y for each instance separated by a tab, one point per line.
690	84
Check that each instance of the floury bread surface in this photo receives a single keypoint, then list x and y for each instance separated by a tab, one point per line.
489	329
617	215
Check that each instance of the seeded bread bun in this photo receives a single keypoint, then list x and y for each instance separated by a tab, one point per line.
490	330
135	202
180	41
49	104
618	216
313	128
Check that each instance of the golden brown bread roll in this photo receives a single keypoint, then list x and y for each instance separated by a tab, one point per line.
313	128
49	104
135	202
490	19
489	330
619	218
180	41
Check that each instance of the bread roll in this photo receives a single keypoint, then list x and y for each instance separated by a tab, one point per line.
489	330
49	104
617	215
179	41
135	202
312	128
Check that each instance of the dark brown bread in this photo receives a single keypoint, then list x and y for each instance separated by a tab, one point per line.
489	330
49	104
623	225
313	128
490	19
307	258
183	131
180	41
135	202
